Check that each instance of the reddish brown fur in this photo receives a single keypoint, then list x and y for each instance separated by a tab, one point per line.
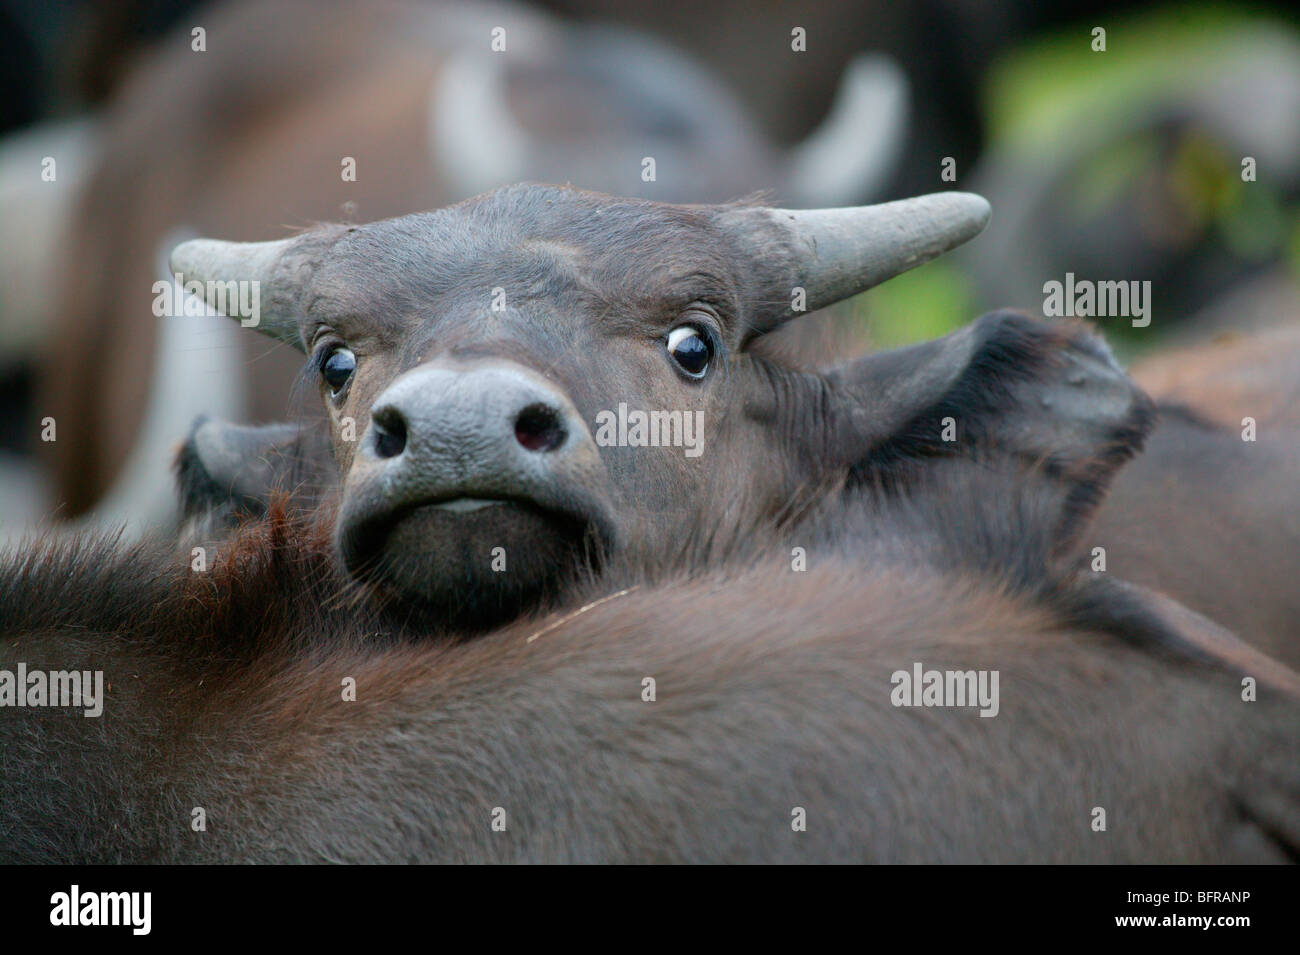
1205	516
1235	376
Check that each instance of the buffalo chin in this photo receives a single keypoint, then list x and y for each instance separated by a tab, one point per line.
470	564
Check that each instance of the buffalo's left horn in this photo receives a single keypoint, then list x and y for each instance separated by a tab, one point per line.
835	253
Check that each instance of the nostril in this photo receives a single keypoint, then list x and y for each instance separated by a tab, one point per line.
390	432
539	428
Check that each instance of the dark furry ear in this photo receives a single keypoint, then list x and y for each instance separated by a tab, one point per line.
1048	396
226	473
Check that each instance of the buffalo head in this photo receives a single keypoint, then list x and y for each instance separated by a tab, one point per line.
524	383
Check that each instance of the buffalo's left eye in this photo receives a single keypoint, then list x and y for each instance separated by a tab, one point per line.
338	367
690	349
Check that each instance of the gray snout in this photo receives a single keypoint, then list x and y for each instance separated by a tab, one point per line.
465	437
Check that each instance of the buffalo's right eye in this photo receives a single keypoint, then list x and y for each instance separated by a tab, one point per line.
338	367
690	350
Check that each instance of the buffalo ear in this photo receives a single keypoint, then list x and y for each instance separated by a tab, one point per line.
1048	397
226	472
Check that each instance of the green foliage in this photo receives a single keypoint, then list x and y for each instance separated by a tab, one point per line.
1042	93
925	303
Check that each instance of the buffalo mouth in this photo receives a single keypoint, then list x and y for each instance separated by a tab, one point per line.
475	559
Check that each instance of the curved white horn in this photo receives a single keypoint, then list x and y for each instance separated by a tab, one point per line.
835	253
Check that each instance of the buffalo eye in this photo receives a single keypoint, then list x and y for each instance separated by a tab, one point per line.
690	350
337	368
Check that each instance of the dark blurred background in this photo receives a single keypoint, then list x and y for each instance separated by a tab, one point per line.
1122	164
